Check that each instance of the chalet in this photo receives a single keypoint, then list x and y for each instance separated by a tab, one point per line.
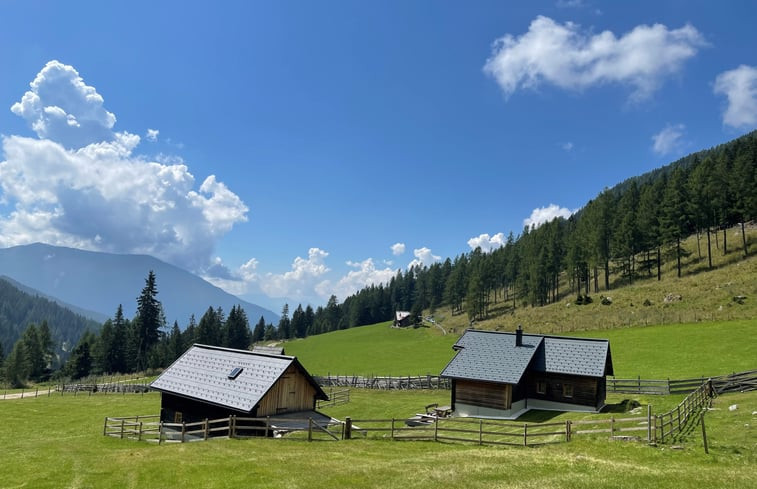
213	382
503	375
402	319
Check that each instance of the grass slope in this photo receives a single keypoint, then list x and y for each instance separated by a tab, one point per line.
674	351
44	449
374	350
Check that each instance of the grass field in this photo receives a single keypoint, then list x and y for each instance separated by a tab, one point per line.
57	442
667	351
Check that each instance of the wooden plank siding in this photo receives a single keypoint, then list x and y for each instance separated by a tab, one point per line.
485	394
291	393
587	391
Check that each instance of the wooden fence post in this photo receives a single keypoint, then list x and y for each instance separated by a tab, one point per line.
612	426
267	425
480	431
436	428
347	428
206	429
122	429
392	428
310	429
139	435
105	426
567	430
160	432
183	430
525	434
649	423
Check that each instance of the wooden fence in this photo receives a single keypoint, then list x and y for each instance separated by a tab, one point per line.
671	425
335	399
150	428
735	381
722	383
462	430
406	382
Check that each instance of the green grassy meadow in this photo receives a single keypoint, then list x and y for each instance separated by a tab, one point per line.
57	442
653	352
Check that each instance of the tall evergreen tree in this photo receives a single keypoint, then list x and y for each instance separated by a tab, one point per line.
209	329
675	220
284	327
149	319
237	329
259	331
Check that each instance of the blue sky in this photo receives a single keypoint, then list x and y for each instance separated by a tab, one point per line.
291	150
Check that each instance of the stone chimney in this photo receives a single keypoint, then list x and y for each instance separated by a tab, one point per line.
519	336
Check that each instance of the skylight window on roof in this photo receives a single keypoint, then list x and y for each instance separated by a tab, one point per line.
235	373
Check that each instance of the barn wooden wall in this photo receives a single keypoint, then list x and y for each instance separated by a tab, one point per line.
291	393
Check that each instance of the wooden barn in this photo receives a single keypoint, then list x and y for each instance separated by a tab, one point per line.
213	382
503	375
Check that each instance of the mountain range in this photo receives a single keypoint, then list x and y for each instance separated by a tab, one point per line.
96	283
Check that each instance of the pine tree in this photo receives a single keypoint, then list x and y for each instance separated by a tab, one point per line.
17	366
284	330
237	329
209	329
675	220
257	334
149	320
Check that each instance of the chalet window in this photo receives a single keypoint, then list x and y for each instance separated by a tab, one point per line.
541	387
177	417
567	390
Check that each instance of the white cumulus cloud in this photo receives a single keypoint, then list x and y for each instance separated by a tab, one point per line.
487	243
364	275
570	57
152	135
398	249
740	87
540	215
301	280
423	258
81	185
669	140
61	107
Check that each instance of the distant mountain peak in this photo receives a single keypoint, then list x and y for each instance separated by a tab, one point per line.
99	282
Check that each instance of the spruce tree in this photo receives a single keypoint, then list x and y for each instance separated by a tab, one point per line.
257	334
149	320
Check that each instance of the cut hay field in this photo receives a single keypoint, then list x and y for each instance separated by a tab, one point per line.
666	351
57	442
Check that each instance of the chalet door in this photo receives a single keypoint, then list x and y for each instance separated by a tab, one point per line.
287	393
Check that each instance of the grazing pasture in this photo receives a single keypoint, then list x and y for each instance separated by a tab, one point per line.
57	442
652	352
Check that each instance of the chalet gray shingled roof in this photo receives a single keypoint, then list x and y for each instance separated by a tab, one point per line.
492	356
202	373
574	356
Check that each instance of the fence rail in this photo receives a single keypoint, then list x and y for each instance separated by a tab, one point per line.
336	398
727	383
406	382
735	381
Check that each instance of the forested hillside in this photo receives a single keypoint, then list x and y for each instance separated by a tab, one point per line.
627	233
19	309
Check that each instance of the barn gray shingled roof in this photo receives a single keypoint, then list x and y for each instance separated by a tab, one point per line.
493	357
202	373
490	356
